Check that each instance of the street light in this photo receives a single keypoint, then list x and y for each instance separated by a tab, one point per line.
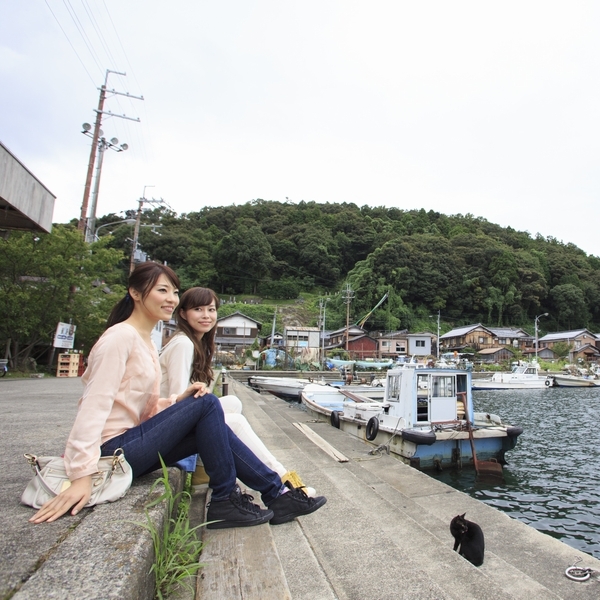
128	221
103	144
536	334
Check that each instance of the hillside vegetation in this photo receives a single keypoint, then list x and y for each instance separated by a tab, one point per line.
296	257
465	267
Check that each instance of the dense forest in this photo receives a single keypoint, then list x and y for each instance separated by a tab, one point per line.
466	268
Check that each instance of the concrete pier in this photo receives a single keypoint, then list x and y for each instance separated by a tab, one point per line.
384	532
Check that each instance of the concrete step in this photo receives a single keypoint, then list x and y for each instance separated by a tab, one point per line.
384	532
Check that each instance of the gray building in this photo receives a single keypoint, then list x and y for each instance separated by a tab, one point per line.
25	202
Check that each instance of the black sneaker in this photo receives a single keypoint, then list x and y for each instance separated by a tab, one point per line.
292	504
237	511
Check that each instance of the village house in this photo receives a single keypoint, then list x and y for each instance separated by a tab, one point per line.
392	344
494	355
276	342
479	337
303	341
360	345
512	336
583	342
419	344
236	332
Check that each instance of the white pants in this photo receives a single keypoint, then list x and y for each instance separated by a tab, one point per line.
232	407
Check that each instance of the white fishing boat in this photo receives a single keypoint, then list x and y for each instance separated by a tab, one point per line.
522	377
427	419
574	376
290	388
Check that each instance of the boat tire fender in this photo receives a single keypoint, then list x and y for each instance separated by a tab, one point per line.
335	418
372	428
548	383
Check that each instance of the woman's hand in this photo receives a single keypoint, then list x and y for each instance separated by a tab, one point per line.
76	496
196	389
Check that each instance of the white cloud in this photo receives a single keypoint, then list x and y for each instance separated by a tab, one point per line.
464	107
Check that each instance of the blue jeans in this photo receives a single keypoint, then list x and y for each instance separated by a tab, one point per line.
196	426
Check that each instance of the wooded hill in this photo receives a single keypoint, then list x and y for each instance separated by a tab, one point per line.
465	267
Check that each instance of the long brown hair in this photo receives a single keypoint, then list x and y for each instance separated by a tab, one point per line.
204	348
142	280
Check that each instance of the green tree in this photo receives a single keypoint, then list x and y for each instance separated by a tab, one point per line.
243	258
569	305
562	349
51	278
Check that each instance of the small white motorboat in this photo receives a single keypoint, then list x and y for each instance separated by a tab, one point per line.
522	377
574	376
290	388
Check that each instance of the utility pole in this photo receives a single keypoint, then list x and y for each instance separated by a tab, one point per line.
103	144
136	231
95	138
322	307
347	297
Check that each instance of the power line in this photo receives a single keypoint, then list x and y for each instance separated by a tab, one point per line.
70	43
98	30
82	33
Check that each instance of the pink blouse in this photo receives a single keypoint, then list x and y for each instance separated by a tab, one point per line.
122	384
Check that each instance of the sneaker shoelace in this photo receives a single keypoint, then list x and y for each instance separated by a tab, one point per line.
299	494
246	503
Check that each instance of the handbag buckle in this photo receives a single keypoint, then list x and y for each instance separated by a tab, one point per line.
32	460
118	458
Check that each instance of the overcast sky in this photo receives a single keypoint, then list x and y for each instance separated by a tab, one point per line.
488	108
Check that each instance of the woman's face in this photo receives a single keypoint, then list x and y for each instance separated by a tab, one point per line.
201	318
161	301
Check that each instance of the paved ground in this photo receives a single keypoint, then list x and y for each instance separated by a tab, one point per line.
98	554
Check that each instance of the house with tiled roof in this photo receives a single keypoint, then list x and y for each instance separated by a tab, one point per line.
479	336
469	336
584	343
236	331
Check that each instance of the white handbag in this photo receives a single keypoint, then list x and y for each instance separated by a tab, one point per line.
110	483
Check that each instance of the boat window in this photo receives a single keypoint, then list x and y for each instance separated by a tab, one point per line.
392	387
422	382
443	387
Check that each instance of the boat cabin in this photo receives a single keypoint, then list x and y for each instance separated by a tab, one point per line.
428	396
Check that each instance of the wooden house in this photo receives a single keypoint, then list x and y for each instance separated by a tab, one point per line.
494	355
582	341
236	331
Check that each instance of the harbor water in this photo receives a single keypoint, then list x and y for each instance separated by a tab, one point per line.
553	474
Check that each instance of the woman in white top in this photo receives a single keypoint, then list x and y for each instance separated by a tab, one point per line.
187	359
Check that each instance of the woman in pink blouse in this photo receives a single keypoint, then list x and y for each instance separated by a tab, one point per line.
121	408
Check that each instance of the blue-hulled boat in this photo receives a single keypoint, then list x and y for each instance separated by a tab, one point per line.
427	418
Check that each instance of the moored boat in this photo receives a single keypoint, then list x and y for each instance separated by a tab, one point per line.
522	377
575	381
290	388
427	419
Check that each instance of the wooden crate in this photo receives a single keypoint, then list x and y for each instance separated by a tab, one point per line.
68	365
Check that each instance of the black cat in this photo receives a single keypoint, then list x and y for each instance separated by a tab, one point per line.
469	537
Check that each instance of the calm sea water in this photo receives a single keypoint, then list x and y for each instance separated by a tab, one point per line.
553	475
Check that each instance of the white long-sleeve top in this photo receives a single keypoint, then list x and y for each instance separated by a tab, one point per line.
176	360
122	385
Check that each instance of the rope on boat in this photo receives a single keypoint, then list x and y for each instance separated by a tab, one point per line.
386	446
